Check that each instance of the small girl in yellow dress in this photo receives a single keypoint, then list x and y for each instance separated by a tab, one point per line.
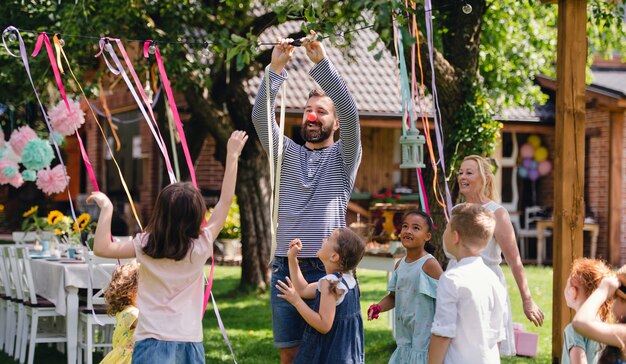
120	297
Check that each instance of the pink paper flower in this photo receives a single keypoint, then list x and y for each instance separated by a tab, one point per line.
2	141
66	123
20	137
16	181
52	180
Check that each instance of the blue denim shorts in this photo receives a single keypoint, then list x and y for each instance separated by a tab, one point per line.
149	351
287	323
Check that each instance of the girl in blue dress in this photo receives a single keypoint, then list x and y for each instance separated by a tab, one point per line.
412	291
334	333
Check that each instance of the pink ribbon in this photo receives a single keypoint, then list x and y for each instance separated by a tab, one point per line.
172	101
43	39
119	69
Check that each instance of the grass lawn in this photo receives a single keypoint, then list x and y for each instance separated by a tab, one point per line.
248	321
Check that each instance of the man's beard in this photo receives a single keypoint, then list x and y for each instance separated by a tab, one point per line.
315	136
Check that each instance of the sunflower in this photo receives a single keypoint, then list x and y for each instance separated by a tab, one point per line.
81	222
32	210
54	217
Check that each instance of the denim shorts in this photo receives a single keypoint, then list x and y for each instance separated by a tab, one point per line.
287	323
149	351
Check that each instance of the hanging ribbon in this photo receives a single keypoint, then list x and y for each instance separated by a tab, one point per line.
119	69
274	173
59	49
23	55
173	108
107	112
437	114
57	68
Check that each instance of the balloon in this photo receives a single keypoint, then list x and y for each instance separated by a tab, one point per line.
533	164
534	140
527	163
522	172
533	174
541	154
544	168
527	151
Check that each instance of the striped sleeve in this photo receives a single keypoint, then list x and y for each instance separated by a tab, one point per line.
259	111
327	76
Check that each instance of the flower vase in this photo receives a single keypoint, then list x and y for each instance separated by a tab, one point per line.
71	252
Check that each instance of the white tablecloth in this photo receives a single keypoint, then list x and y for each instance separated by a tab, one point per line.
53	277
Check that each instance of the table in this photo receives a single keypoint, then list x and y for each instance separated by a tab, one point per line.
384	262
59	283
592	227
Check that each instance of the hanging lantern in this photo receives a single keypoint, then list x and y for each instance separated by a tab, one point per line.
412	149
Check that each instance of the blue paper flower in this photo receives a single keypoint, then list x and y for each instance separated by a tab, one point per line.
29	175
37	154
9	171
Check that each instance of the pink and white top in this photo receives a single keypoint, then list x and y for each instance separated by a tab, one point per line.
170	293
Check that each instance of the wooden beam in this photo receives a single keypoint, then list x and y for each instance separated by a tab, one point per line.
616	151
569	160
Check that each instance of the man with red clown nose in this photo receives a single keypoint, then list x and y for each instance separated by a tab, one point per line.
316	178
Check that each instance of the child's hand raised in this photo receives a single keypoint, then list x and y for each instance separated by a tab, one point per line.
288	292
236	142
100	199
294	248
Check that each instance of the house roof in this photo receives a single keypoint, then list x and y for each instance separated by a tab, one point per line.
611	80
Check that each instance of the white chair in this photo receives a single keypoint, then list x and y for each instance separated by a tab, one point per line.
7	319
95	328
531	214
14	332
36	307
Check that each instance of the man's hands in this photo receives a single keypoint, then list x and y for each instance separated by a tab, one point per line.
284	50
314	48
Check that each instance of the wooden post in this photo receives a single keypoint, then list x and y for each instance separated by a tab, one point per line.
569	158
616	150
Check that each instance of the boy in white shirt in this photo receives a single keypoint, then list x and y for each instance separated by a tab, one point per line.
471	302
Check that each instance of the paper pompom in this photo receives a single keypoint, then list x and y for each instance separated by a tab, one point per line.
29	175
10	154
58	137
37	154
66	123
52	180
20	137
8	169
16	181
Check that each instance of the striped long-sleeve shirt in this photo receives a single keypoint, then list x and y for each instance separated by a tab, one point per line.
315	185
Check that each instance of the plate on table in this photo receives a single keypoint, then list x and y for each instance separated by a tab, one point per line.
53	259
40	256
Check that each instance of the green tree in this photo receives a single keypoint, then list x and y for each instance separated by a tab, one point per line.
483	61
